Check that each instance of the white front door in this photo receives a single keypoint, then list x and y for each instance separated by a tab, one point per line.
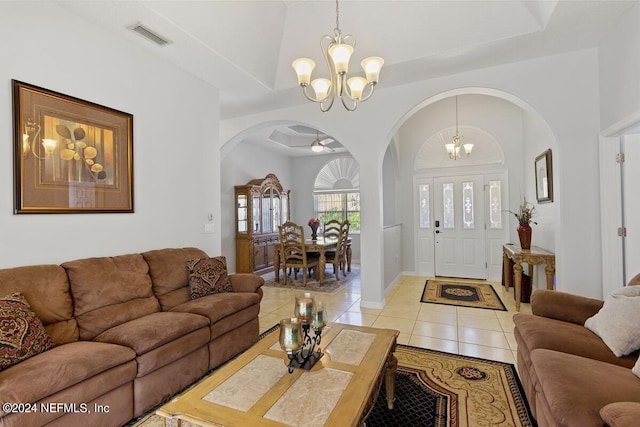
459	227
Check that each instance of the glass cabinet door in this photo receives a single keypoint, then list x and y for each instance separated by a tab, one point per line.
285	208
242	214
275	206
266	212
255	206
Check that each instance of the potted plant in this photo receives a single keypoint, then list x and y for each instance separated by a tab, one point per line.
524	215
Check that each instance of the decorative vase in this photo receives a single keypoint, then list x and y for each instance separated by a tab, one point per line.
524	233
314	232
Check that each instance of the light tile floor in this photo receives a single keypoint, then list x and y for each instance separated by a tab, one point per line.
473	332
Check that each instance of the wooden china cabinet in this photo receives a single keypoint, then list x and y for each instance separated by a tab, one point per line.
261	206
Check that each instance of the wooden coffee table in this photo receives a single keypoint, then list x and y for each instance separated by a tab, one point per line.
256	388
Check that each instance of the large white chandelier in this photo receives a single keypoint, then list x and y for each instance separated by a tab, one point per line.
454	147
337	50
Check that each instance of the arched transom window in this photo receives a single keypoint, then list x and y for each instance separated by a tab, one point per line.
336	193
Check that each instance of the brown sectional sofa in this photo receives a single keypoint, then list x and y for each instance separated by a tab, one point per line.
127	335
570	376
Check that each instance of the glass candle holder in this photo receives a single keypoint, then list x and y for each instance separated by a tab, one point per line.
319	316
304	308
291	335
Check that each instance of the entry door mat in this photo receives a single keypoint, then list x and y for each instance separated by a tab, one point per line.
462	294
436	389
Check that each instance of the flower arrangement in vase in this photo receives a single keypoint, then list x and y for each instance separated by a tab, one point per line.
314	223
524	215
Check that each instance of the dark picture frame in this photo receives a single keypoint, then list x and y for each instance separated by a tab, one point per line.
544	177
70	155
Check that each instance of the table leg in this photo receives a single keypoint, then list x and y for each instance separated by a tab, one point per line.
349	258
506	276
550	269
517	272
276	264
390	379
322	262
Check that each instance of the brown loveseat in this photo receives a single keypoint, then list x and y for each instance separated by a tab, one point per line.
570	376
127	336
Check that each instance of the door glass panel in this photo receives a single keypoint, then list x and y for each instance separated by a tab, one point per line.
495	202
447	205
467	205
423	195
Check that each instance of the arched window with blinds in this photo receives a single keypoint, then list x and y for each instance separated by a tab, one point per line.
336	193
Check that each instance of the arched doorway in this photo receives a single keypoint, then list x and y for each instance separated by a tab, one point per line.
506	131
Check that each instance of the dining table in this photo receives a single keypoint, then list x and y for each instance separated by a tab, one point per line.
320	245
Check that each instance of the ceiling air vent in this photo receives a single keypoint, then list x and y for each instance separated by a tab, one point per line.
149	35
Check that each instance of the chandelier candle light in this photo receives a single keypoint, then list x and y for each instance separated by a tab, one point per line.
337	50
295	337
453	147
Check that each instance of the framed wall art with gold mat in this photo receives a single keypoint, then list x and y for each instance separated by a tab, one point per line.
70	155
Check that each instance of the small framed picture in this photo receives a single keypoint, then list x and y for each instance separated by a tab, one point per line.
544	177
70	155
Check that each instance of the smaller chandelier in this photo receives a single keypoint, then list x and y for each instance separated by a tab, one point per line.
337	50
454	147
303	348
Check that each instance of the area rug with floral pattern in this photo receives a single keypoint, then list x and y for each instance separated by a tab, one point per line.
462	293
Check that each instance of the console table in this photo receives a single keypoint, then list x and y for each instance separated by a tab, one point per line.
531	257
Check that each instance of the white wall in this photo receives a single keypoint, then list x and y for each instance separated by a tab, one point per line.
537	139
561	90
619	62
175	140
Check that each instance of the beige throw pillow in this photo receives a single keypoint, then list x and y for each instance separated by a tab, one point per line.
618	321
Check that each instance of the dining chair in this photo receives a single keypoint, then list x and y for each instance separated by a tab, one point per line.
339	257
293	251
331	229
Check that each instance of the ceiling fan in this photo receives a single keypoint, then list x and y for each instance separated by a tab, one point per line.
318	145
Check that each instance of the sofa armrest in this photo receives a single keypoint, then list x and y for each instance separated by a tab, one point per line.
563	306
635	280
245	282
621	414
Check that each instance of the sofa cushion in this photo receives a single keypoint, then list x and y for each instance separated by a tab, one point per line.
110	291
152	331
208	276
168	271
636	368
533	333
573	389
218	306
618	321
47	289
22	333
59	368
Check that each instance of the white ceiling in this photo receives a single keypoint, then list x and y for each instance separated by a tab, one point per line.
245	48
